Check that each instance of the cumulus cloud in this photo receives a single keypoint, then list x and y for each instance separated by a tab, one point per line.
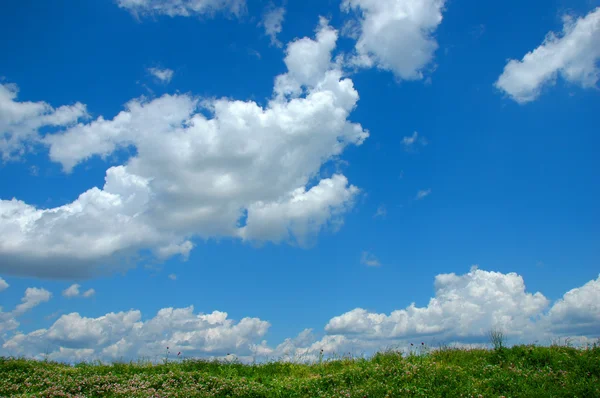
578	312
247	172
272	21
465	306
125	335
572	55
89	293
3	285
164	75
20	121
423	194
182	8
462	311
394	35
71	291
369	259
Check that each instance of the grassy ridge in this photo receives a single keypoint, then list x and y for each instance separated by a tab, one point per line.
521	371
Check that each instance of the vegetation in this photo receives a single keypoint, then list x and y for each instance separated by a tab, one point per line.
520	371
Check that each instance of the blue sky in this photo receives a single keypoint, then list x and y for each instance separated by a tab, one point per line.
315	165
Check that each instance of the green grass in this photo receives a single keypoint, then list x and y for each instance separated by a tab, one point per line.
520	371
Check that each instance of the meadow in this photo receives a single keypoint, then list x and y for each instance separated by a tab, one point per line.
519	371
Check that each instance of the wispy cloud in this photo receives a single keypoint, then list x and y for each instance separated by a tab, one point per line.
381	212
89	293
164	75
272	21
369	260
423	194
411	142
173	277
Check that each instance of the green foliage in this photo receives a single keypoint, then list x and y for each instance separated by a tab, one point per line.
520	371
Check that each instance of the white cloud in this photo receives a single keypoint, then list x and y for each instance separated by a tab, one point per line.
89	293
71	291
462	312
20	121
32	298
423	194
197	177
369	259
578	312
164	75
463	306
573	55
411	141
173	277
125	335
272	20
395	35
3	285
182	8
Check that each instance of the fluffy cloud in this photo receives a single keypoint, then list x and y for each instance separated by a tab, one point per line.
573	55
125	335
182	8
462	312
464	306
578	312
248	172
164	75
3	285
71	291
395	35
272	21
20	121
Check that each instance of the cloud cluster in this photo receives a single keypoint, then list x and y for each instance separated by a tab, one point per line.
395	35
125	335
573	55
248	172
73	291
21	121
182	8
463	310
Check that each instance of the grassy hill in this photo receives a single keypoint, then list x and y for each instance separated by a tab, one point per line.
520	371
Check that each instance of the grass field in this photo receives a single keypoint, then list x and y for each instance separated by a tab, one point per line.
520	371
